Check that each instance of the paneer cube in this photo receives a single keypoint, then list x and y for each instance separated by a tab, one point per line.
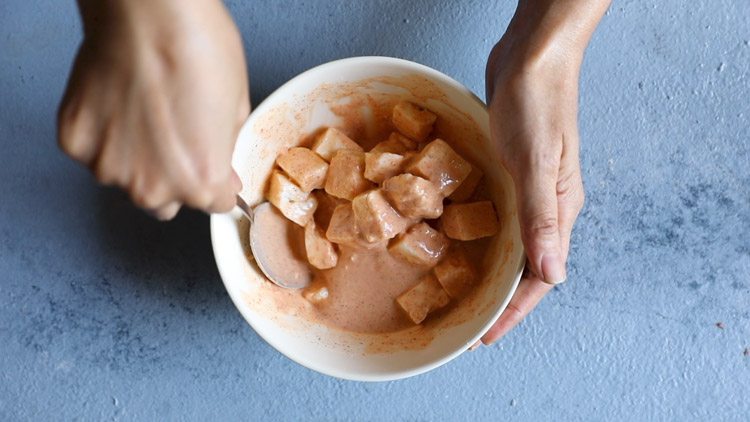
326	205
467	188
382	165
304	167
412	120
293	202
375	217
346	175
316	293
469	221
331	141
421	245
455	273
441	165
425	297
342	228
396	144
413	196
321	253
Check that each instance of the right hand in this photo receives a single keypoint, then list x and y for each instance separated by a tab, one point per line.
155	101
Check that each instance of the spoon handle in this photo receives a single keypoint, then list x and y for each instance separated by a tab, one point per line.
246	209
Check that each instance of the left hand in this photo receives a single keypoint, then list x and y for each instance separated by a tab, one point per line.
533	120
532	91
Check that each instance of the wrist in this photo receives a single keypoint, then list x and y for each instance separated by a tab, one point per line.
545	39
539	38
156	16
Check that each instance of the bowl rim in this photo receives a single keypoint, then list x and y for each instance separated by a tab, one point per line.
311	363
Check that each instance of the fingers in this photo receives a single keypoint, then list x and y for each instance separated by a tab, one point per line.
528	294
166	212
570	193
536	190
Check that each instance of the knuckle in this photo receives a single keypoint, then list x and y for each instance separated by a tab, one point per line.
68	139
103	174
514	313
146	196
546	160
542	225
570	190
167	212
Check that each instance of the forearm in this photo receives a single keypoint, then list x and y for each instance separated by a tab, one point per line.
549	34
160	16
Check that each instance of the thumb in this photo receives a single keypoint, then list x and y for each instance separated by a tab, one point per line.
536	192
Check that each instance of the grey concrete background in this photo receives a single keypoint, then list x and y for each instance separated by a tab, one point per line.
105	314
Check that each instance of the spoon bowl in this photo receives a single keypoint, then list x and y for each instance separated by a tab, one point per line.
277	246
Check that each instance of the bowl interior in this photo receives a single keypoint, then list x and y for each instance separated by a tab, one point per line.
289	117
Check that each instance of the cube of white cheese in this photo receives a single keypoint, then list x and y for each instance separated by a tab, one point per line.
467	188
413	120
304	167
455	273
346	175
331	141
425	297
375	217
316	293
382	165
395	144
441	165
420	245
413	196
342	228
470	221
321	253
326	205
295	204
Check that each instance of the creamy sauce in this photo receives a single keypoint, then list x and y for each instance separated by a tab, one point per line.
364	286
365	283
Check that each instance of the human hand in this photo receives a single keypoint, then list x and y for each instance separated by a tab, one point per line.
532	91
155	100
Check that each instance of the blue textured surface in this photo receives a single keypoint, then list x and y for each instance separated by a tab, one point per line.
105	314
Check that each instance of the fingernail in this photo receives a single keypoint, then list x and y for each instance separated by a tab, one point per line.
553	269
475	346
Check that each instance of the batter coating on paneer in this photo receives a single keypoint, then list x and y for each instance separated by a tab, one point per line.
331	141
455	273
421	245
326	205
304	167
396	144
376	218
469	221
412	120
466	189
321	253
316	293
441	165
382	165
427	296
295	204
346	175
413	196
342	228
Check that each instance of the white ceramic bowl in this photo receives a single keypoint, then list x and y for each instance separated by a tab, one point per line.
277	124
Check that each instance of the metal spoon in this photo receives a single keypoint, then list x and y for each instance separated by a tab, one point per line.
275	243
